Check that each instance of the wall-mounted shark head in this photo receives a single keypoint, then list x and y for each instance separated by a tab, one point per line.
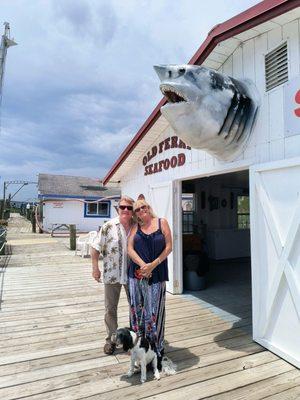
207	109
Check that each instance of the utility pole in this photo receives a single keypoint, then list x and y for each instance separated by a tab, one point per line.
5	186
6	42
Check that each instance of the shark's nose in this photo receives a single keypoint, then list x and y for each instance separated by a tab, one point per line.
161	71
165	72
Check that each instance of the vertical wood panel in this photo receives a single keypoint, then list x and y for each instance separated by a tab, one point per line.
274	37
292	146
277	150
237	63
261	48
262	152
261	131
249	153
227	66
276	113
249	60
291	34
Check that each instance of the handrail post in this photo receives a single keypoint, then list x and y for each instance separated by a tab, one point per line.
72	237
33	221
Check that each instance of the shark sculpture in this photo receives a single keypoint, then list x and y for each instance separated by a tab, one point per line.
208	110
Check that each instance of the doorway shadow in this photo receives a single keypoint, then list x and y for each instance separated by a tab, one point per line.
228	289
238	338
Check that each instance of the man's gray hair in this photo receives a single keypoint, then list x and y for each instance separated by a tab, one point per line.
128	200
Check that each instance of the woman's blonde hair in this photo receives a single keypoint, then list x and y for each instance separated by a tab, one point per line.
140	203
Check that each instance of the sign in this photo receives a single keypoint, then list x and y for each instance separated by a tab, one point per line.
292	107
166	163
188	202
58	204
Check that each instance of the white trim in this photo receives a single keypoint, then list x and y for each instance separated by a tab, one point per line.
286	163
177	241
221	170
277	350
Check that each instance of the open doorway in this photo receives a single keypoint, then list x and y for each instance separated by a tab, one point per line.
216	240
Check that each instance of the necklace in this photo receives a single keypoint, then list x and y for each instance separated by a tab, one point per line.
127	229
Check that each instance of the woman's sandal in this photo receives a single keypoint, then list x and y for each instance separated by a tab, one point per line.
109	348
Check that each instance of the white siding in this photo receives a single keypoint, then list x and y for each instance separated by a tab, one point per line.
71	212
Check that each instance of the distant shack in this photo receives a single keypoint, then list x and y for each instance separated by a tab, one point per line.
77	200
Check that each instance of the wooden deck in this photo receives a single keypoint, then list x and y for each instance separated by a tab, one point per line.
51	330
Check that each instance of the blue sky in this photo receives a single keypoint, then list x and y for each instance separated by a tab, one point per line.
81	82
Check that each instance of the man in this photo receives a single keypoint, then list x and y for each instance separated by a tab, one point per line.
112	243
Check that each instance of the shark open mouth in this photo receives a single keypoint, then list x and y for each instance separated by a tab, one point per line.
171	94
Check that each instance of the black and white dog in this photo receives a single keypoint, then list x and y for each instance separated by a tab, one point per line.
140	352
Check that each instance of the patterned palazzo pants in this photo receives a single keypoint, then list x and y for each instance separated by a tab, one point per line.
147	311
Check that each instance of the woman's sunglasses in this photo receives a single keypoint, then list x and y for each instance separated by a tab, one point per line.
140	208
129	208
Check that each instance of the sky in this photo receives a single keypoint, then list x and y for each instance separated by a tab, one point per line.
80	82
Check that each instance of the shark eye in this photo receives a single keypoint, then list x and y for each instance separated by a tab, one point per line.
181	71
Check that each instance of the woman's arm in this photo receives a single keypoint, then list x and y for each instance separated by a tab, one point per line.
131	252
168	238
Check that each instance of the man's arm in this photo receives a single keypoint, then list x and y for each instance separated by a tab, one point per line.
96	247
95	264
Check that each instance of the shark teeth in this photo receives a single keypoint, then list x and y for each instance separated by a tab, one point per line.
172	95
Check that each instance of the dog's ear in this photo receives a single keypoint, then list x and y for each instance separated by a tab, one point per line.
144	343
127	340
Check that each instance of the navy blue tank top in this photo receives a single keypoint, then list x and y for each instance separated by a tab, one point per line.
149	247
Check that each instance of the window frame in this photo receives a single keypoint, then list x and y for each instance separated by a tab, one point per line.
238	214
107	215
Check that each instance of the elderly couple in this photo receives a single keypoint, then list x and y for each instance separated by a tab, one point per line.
143	275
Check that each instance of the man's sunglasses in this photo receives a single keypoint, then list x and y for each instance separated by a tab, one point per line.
140	208
129	208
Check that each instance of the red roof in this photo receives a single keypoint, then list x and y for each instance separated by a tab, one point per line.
248	19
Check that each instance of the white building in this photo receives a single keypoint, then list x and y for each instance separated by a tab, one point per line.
73	200
261	44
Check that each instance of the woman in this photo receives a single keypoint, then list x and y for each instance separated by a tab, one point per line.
149	245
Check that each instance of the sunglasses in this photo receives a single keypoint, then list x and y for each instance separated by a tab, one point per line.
129	208
140	208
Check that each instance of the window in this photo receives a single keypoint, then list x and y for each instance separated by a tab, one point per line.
276	67
243	213
188	214
188	202
188	225
101	209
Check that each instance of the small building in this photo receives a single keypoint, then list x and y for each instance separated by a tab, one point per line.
248	206
77	200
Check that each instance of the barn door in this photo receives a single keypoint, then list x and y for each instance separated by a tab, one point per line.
275	249
165	199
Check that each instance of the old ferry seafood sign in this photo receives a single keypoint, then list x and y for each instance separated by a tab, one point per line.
163	165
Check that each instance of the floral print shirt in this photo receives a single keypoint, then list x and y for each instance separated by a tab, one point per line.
111	241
